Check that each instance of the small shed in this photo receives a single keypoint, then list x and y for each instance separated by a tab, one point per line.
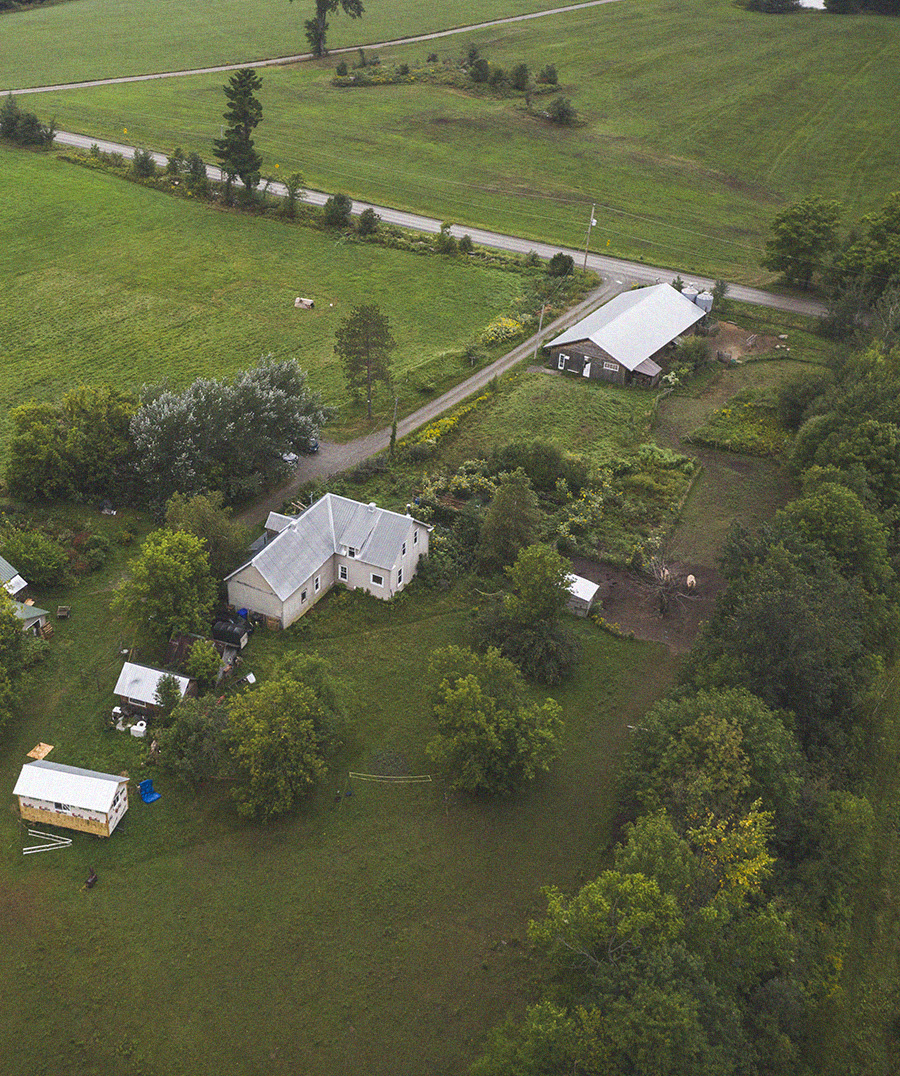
582	593
67	796
32	618
137	686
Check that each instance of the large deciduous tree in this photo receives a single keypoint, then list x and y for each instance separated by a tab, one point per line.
317	27
220	435
169	589
363	343
78	447
525	624
235	149
490	738
511	520
277	736
803	236
204	515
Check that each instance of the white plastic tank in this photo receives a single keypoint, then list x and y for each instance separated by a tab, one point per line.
705	301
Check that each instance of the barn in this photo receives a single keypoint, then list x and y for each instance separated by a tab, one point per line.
67	796
624	340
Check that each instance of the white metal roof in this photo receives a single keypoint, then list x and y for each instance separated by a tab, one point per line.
276	521
636	324
583	589
88	789
10	578
332	525
139	682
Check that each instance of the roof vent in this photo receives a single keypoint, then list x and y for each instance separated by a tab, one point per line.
372	506
409	509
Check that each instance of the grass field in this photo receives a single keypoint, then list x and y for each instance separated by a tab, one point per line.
105	38
379	934
697	126
731	488
590	418
108	281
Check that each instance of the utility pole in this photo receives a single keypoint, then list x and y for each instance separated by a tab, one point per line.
537	342
591	223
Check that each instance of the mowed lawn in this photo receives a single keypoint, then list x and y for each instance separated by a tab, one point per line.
697	123
106	38
108	281
382	933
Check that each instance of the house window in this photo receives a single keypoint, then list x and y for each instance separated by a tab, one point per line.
403	550
610	365
316	585
303	594
342	573
563	359
415	537
399	576
378	580
351	551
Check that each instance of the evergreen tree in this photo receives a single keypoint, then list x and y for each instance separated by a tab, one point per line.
235	150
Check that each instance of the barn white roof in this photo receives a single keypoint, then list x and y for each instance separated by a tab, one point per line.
636	324
332	525
139	682
88	789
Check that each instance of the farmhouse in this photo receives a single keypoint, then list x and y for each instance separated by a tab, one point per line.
10	579
623	340
336	540
137	686
71	797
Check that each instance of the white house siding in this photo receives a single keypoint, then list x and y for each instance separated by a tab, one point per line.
248	590
118	809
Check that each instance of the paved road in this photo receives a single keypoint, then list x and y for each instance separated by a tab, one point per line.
274	61
618	270
333	458
616	273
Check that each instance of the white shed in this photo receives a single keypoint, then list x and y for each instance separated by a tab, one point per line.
137	685
67	796
582	593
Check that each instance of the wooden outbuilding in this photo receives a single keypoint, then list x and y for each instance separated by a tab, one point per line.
70	797
624	341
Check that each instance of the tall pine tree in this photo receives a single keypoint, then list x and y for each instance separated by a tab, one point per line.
235	150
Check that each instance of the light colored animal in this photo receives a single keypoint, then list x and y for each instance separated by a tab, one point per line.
691	582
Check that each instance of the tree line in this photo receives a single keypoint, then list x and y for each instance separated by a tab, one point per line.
714	940
101	442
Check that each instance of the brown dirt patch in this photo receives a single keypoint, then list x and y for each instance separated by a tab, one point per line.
626	600
739	342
